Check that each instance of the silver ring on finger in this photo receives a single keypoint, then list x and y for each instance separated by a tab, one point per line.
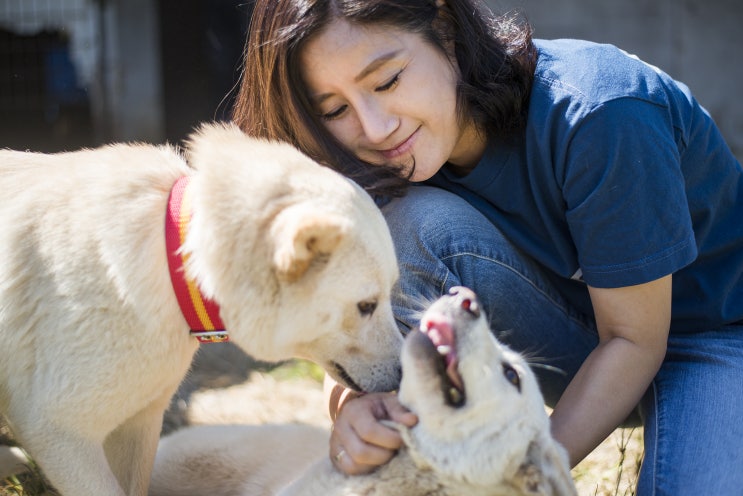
340	455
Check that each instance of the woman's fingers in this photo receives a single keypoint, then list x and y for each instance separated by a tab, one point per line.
358	457
359	442
398	413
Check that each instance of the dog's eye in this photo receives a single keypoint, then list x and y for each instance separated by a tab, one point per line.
512	376
367	307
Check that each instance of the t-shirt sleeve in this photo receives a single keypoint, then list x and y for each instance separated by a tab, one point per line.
625	197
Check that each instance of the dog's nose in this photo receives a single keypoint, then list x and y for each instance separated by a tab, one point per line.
466	299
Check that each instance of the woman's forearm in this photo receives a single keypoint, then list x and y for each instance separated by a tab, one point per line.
633	323
609	384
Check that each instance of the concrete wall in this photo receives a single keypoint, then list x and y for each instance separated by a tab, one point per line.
695	41
131	71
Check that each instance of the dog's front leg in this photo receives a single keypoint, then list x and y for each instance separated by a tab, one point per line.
74	465
131	448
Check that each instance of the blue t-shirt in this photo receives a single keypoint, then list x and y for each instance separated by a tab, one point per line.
620	178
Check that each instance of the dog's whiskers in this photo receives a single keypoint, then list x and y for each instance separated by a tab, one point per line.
415	306
544	366
532	357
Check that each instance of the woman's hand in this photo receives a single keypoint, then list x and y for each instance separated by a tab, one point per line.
359	443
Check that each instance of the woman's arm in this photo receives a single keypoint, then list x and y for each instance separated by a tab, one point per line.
633	324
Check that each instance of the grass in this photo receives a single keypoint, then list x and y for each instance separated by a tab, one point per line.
612	469
32	483
298	369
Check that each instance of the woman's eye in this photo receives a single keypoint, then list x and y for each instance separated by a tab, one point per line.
334	114
390	84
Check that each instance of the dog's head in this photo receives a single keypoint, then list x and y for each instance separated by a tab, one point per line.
298	257
482	424
345	264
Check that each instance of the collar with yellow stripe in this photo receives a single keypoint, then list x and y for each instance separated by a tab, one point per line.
201	314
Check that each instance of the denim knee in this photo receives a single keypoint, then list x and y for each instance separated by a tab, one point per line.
442	241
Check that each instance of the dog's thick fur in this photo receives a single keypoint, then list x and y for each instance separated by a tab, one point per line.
299	259
488	436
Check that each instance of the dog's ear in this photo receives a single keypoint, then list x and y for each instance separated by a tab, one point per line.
404	430
545	472
405	433
409	443
303	236
401	428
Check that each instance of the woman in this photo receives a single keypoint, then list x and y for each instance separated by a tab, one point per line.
584	195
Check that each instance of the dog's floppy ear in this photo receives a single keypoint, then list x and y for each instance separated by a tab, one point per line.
545	472
409	441
303	235
401	428
404	430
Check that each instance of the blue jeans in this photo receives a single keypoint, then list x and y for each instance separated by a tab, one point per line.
693	411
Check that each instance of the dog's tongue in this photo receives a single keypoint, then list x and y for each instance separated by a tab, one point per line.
440	332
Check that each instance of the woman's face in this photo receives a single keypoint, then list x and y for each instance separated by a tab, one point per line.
388	96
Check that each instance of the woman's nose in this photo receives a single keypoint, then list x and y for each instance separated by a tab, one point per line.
376	121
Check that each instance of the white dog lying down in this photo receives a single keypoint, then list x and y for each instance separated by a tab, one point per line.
482	430
298	259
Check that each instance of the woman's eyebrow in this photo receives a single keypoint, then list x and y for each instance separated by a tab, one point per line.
369	69
376	64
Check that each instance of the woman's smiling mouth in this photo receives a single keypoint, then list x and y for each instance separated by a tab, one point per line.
402	148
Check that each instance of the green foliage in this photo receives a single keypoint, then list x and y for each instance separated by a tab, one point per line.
31	483
298	369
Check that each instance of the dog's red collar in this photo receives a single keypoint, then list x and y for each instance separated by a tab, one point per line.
202	314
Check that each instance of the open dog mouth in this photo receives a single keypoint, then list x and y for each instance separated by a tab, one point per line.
438	329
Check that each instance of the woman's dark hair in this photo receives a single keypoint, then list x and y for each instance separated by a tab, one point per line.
495	55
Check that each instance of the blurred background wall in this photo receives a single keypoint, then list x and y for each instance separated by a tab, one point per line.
699	42
84	72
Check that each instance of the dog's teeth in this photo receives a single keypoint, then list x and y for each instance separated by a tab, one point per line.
443	349
455	396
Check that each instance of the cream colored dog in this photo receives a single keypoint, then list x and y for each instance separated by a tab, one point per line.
482	430
94	343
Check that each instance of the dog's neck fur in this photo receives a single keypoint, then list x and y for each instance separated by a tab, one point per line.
201	313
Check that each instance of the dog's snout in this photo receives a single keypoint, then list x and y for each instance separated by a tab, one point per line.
466	299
